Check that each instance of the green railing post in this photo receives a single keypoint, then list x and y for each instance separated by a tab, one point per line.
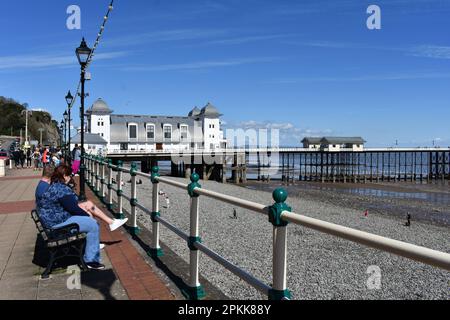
119	179
133	201
195	290
109	186
87	161
155	249
102	179
279	255
97	177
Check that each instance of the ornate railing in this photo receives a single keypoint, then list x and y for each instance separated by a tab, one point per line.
279	215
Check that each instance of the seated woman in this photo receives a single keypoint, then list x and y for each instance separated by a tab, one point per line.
87	206
58	207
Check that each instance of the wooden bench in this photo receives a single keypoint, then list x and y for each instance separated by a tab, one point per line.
67	241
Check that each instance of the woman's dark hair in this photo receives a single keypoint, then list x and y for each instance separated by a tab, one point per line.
60	172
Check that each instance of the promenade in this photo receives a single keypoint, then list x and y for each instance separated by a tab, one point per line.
23	258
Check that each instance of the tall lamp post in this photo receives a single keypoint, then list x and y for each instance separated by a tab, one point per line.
66	117
83	53
61	128
69	100
26	112
40	131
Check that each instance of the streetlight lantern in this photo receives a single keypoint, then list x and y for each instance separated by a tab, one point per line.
66	116
83	52
69	98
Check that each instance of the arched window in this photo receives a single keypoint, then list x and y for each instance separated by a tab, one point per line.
132	131
184	132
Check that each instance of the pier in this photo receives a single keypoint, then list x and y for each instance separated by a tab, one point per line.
301	164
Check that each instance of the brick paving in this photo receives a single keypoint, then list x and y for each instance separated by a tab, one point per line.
137	277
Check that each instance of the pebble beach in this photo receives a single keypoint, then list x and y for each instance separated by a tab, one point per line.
320	266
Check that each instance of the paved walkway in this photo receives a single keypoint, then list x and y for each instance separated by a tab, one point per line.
23	257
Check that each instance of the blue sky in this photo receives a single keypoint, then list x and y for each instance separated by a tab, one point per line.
305	67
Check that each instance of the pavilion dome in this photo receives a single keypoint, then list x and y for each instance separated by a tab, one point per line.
100	107
210	111
194	112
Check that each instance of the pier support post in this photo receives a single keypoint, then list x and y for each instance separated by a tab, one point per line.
155	249
133	201
279	253
195	290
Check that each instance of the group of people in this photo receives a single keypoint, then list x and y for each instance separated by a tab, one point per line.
41	157
58	206
36	158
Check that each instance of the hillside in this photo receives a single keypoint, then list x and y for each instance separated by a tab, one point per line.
11	121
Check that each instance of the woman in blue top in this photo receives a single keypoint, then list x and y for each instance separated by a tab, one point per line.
58	207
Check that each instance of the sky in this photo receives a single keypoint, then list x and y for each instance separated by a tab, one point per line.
307	68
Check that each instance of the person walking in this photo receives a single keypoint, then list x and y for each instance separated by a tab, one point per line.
45	157
36	159
76	160
29	154
22	157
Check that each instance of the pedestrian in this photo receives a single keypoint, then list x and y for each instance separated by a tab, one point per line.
234	213
37	159
22	157
45	159
76	152
29	153
16	157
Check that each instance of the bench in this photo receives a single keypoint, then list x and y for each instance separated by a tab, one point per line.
67	241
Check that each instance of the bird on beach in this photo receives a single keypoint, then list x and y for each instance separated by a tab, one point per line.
408	220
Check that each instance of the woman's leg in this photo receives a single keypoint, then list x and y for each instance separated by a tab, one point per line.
91	208
90	227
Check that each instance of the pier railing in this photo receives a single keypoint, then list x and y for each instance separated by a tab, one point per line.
279	215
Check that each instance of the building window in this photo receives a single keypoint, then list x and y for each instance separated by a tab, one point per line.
167	132
184	132
151	132
132	131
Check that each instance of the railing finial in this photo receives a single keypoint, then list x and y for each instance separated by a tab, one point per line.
194	184
279	195
155	174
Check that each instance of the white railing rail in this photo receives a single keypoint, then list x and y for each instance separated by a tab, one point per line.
279	215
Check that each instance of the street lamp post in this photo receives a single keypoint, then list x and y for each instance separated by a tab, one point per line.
26	112
61	128
40	132
83	53
69	100
66	116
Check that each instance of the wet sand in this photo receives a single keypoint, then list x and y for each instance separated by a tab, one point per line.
425	202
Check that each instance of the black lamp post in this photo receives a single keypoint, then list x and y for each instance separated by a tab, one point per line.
83	53
69	100
61	128
66	117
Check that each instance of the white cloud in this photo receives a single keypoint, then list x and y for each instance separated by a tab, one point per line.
48	60
199	65
289	134
430	51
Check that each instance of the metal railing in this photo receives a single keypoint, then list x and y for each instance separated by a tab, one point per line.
279	215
